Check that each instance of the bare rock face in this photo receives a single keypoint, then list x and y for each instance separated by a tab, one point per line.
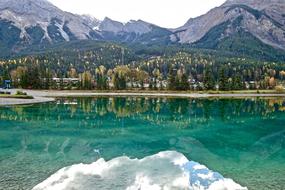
196	28
110	25
34	22
137	27
256	4
264	19
41	15
91	21
38	22
134	31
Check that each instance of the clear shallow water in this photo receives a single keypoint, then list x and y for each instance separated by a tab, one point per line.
242	139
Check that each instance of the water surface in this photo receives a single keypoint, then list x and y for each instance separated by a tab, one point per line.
242	139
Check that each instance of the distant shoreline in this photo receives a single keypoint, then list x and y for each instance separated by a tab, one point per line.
42	96
159	94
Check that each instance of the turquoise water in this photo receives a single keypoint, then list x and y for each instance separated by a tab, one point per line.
242	139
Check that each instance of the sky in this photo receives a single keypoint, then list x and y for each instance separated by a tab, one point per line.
165	13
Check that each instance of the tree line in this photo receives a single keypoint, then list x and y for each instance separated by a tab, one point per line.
180	71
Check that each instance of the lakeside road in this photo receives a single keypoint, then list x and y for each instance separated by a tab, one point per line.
41	96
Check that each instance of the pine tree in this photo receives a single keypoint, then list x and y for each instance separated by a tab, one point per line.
150	84
209	82
223	80
184	85
116	81
24	83
32	78
237	83
177	84
48	78
123	83
155	84
120	82
61	83
172	79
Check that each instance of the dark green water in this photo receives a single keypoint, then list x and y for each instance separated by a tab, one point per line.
241	139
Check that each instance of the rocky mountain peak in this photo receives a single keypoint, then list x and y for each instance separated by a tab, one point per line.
91	21
39	21
110	25
264	20
257	4
42	8
26	22
133	26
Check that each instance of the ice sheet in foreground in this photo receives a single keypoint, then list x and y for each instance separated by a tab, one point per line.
163	171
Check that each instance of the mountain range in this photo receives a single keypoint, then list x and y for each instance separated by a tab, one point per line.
240	26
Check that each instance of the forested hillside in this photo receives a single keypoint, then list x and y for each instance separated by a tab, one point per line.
107	65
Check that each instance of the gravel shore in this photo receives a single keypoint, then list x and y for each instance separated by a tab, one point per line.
14	101
48	96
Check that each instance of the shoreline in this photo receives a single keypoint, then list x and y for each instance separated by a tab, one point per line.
161	95
43	96
17	101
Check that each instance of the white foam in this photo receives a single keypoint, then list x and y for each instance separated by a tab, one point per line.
163	171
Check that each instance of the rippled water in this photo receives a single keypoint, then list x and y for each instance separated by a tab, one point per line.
242	139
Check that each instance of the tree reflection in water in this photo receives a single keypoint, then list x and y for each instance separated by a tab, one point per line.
157	110
240	138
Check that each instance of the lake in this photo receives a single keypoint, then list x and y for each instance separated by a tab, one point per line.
240	139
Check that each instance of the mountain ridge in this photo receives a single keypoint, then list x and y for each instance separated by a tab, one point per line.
263	23
26	22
